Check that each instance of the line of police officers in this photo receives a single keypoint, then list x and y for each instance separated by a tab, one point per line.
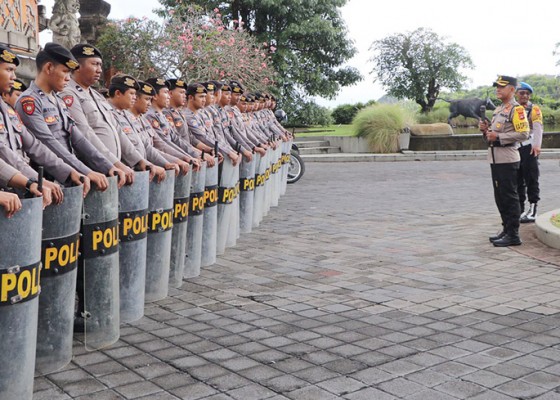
75	136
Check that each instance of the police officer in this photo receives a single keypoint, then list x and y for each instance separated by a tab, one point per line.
233	134
528	178
16	143
46	117
122	96
11	96
509	127
93	116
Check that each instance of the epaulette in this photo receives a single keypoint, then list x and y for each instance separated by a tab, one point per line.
79	88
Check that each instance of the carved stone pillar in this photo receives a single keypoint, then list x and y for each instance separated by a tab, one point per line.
93	16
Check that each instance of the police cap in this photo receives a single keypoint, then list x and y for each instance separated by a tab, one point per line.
8	56
196	88
19	85
217	85
209	86
61	55
146	88
504	80
176	83
236	87
85	51
226	87
158	83
525	86
123	82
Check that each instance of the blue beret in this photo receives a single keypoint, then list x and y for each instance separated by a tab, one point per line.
525	86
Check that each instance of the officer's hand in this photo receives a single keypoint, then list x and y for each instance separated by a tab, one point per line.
536	150
195	162
56	191
183	166
128	174
261	151
99	180
78	179
248	155
46	194
210	161
483	125
233	157
120	174
491	136
220	158
159	173
173	167
10	202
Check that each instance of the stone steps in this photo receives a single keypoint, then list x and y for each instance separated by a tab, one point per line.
316	145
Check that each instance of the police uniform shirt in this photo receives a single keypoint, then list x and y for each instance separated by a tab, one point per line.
221	128
179	131
169	150
234	131
250	123
239	126
213	135
90	109
251	133
535	117
46	117
17	141
197	127
142	145
510	122
192	140
7	172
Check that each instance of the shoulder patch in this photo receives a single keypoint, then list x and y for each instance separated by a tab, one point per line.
11	111
169	118
155	123
28	105
519	120
68	100
536	114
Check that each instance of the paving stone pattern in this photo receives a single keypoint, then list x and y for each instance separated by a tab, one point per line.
370	281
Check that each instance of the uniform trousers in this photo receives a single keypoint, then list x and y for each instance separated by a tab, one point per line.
504	180
528	176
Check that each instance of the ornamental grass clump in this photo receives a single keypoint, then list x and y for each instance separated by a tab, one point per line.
381	124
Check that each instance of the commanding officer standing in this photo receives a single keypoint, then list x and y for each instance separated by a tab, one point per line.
528	178
46	117
509	127
16	141
93	116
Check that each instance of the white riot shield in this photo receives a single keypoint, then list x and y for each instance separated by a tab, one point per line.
59	255
233	231
194	228
133	233
20	262
99	260
210	223
179	238
226	195
160	226
275	175
286	146
259	198
247	194
267	182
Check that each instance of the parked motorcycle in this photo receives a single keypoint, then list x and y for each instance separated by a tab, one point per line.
296	168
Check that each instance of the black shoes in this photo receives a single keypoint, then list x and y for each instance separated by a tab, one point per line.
508	240
497	237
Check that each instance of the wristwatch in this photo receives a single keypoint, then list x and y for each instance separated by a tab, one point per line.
29	183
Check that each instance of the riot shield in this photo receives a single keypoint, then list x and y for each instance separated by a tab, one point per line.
20	260
210	223
99	261
233	231
133	232
59	255
259	198
226	195
247	192
179	237
286	146
267	183
274	181
160	225
194	228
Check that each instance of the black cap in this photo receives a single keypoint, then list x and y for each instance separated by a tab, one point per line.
61	55
124	82
504	80
236	87
196	88
209	86
146	88
177	83
8	56
226	87
158	83
19	85
85	51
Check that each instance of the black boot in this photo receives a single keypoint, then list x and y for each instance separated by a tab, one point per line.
511	238
497	237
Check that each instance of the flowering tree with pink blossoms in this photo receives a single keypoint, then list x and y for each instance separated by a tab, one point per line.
197	46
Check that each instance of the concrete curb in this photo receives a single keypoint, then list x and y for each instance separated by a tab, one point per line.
546	231
547	154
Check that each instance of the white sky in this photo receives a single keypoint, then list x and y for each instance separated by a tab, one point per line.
513	37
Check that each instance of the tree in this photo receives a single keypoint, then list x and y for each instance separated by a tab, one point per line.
195	47
307	40
418	65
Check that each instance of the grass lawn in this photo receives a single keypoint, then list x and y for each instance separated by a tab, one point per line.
331	130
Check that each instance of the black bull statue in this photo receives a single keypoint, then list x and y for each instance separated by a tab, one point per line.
469	108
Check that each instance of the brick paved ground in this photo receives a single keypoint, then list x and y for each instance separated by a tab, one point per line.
370	281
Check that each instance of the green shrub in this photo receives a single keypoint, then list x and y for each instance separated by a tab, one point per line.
550	116
344	114
381	125
307	113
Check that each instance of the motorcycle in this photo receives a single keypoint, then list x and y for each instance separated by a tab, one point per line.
296	169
